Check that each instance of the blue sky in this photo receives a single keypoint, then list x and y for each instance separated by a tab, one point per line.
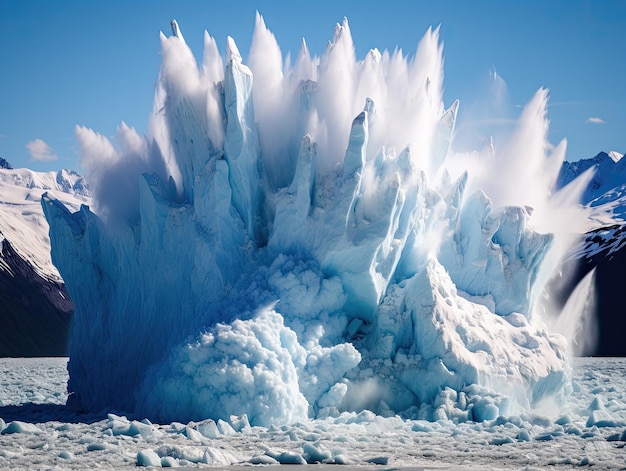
95	63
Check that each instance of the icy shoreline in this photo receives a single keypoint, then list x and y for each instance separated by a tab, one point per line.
48	436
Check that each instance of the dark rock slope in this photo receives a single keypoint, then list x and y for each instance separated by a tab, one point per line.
35	313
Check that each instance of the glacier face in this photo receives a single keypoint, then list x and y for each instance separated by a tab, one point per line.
277	257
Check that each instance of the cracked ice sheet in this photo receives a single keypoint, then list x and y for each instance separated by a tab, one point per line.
47	435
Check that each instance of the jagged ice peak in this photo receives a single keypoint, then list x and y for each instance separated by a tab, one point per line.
298	240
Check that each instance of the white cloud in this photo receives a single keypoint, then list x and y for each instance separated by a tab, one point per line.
595	120
40	151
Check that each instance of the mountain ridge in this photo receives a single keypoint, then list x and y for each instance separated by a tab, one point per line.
35	308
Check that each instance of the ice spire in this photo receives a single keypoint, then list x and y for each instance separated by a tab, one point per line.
176	30
232	51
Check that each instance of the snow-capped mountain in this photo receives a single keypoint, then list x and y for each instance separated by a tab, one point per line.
606	198
610	173
35	308
602	248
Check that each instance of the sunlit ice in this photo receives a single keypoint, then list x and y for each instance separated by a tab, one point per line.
299	238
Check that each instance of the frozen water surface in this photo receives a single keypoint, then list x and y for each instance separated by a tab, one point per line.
39	432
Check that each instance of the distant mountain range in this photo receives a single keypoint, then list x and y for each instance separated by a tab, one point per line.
36	311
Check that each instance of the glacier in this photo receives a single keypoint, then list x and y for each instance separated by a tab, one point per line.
295	240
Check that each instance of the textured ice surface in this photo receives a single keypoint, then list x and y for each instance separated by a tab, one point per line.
295	243
38	431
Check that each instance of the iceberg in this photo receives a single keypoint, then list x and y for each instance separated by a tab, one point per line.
295	241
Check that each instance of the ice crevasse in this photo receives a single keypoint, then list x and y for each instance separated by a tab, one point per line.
280	259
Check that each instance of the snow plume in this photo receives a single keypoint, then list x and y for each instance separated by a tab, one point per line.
112	172
297	239
576	321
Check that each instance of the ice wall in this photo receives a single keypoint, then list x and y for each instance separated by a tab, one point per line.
299	241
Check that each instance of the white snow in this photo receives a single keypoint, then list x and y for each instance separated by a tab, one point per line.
39	432
310	269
